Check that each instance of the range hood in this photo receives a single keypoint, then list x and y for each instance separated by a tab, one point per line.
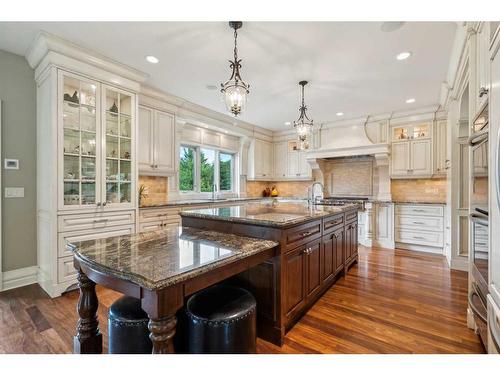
347	141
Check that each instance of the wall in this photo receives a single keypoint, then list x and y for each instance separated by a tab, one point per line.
419	190
156	189
17	92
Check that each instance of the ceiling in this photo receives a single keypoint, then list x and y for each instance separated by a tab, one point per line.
351	66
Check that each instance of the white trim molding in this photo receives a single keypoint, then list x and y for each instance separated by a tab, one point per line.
19	277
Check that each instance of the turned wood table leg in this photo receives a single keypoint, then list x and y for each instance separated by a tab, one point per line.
162	333
88	339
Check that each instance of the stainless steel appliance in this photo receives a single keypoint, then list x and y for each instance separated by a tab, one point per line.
479	217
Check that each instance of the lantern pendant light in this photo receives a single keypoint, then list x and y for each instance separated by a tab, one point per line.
303	125
235	90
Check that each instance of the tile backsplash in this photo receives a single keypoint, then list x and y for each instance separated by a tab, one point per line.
285	188
419	190
156	189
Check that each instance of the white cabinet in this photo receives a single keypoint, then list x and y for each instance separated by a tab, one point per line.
280	160
86	156
96	128
419	227
411	151
156	142
440	148
261	160
400	158
298	167
482	64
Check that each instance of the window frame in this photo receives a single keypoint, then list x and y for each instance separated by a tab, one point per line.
197	169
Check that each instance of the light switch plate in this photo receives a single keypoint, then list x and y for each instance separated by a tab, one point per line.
14	192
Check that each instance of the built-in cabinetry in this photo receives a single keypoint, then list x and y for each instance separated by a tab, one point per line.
285	163
86	155
440	145
411	151
156	142
419	227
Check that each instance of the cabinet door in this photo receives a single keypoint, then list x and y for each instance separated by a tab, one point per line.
79	142
146	137
313	274
482	64
164	142
295	271
339	252
263	159
440	148
400	156
354	240
420	157
347	243
268	159
332	260
304	167
118	175
280	159
293	164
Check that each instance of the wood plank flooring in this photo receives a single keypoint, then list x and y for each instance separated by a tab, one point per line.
393	301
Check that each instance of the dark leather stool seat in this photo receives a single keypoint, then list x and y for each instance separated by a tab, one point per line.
221	319
128	327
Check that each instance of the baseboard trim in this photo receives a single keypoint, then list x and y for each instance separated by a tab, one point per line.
19	277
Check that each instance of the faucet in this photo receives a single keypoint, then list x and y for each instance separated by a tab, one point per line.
313	197
214	189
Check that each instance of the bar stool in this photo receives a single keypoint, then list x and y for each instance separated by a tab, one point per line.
221	319
128	328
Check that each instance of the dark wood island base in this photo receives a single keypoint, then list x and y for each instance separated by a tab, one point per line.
312	255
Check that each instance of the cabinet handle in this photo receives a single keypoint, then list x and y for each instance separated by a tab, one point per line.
418	238
417	210
418	222
104	203
101	220
483	91
305	234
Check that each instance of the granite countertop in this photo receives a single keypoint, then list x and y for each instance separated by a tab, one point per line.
269	213
158	259
194	202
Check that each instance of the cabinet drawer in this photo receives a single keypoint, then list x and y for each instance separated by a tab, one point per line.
90	234
419	223
65	270
158	214
419	238
419	210
95	221
151	226
302	234
351	215
330	223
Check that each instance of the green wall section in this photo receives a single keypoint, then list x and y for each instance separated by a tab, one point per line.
17	92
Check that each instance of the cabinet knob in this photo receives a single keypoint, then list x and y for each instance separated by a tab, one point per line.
483	91
98	204
104	203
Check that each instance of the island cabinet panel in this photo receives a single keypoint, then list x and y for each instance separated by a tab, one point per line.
332	261
351	243
313	268
294	263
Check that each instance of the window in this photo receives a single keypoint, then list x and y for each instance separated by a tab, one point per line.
207	169
200	168
225	171
187	168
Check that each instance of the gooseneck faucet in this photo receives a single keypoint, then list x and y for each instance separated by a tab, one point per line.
312	196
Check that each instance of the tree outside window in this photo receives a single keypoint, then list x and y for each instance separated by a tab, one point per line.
207	169
187	169
225	171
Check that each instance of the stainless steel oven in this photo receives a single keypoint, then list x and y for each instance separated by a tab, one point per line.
479	212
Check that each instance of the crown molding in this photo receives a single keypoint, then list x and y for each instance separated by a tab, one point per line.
44	43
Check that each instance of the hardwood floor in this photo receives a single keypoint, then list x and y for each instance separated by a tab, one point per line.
393	301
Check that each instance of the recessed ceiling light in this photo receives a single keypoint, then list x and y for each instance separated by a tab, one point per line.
152	59
403	55
391	26
340	113
411	100
288	123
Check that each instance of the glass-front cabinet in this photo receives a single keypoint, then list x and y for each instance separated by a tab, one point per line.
97	137
415	131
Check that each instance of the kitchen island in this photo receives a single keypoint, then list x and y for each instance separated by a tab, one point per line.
317	245
162	269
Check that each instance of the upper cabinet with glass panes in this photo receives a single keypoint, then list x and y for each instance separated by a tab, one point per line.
97	129
415	131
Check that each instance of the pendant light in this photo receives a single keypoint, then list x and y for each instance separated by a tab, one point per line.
235	90
303	125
